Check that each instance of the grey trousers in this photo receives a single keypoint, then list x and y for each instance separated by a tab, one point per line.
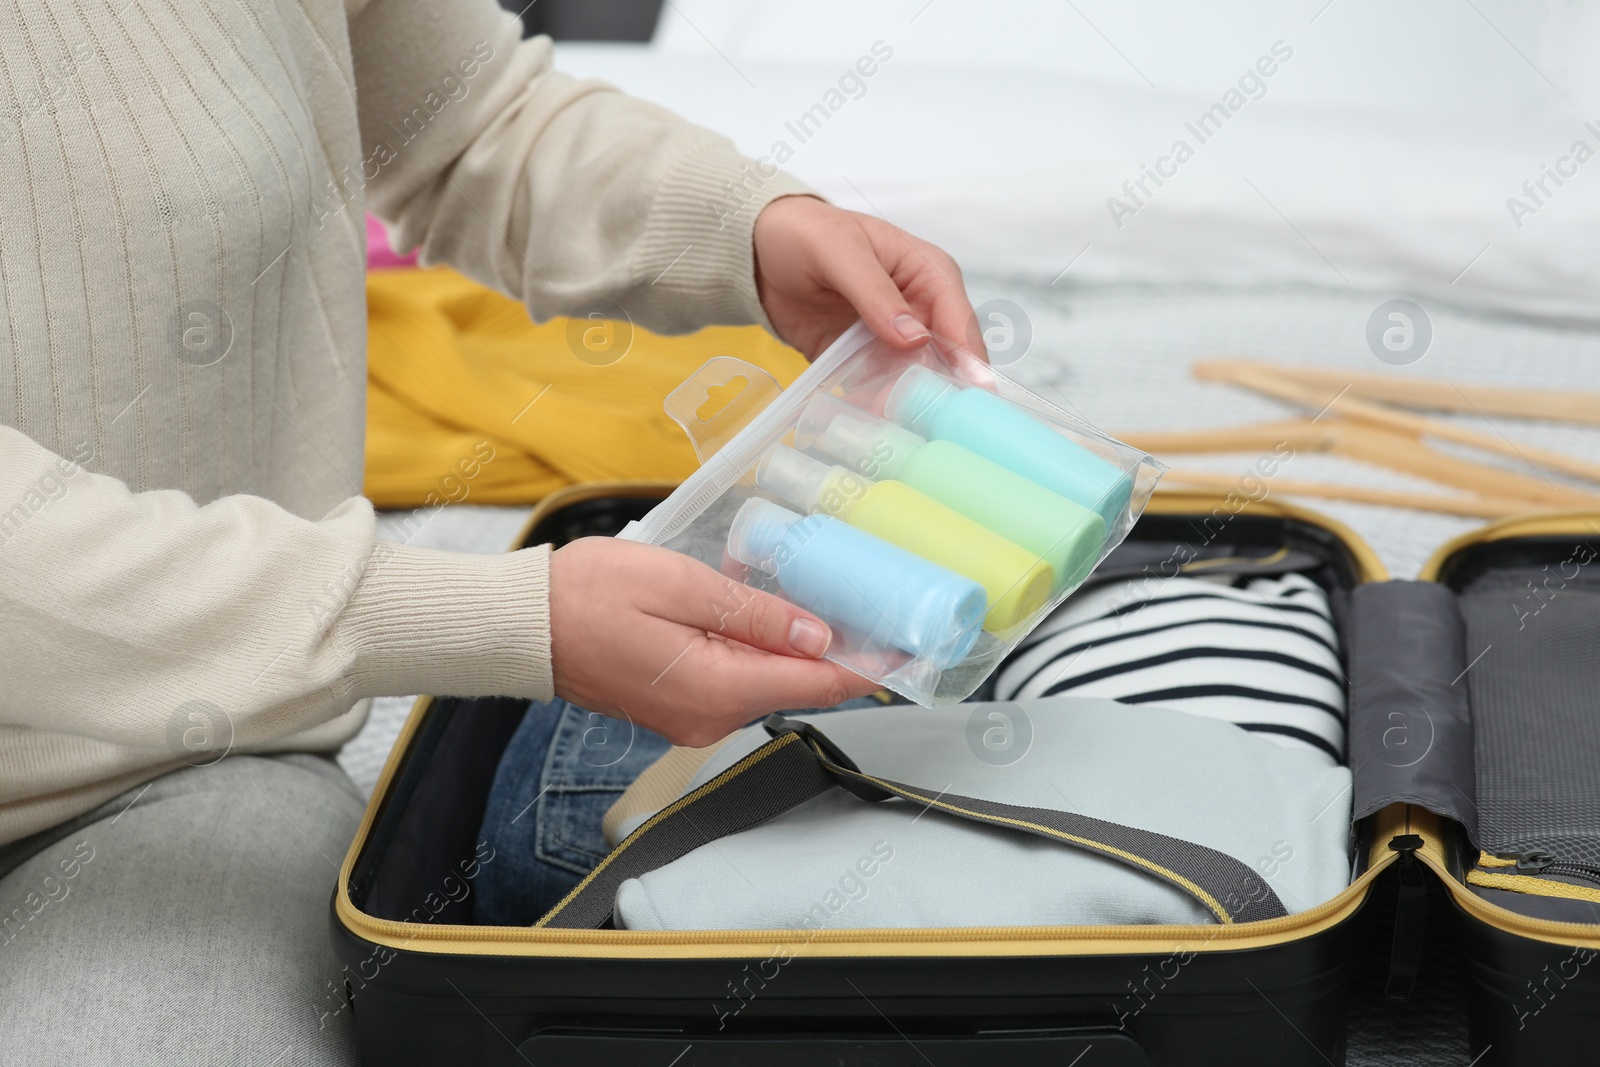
185	922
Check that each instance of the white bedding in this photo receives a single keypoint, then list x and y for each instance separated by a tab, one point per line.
1380	155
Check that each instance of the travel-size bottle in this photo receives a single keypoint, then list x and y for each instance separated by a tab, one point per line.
853	579
1067	534
928	404
1017	582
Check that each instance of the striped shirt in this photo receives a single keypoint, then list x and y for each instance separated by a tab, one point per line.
1262	654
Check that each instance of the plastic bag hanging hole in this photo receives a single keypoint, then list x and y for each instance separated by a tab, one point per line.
718	400
719	397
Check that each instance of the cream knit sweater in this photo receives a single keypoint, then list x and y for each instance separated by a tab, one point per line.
186	562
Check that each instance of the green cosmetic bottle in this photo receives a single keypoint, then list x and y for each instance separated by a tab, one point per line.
1066	534
931	405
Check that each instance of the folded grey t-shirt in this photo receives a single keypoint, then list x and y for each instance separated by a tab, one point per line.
839	862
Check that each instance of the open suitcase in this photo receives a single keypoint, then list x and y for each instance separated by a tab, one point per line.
427	987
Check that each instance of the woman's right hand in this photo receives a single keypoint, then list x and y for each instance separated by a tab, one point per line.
645	633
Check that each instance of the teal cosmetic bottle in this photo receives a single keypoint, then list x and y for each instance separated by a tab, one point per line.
855	580
928	404
1062	531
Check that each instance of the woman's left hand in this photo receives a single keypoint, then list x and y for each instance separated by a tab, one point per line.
819	268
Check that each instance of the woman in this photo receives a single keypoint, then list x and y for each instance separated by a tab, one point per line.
190	572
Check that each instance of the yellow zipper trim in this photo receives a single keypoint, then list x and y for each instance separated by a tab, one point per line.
1538	887
1203	503
923	942
1582	935
1228	561
1535	525
455	939
936	942
449	939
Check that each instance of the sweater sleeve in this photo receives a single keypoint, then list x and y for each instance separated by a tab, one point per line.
558	192
119	608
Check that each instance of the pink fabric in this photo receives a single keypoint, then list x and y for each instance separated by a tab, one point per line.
379	255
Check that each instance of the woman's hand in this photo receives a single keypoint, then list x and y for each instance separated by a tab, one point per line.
645	633
819	268
648	634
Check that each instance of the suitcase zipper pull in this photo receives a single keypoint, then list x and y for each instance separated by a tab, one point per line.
1410	920
1538	862
1534	861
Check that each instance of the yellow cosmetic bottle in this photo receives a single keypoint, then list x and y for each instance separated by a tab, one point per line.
1017	582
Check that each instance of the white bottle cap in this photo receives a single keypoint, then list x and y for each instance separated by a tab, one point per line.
864	443
817	416
911	400
794	476
759	527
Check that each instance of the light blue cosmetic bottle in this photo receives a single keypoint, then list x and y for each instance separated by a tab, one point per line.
856	580
979	421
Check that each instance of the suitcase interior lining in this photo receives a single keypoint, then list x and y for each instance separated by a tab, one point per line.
1514	730
1531	622
1478	698
1536	705
424	839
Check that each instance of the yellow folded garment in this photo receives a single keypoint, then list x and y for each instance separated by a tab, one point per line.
468	399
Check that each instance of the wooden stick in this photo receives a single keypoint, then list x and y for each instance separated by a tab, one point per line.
1397	451
1266	380
1300	435
1370	444
1431	394
1480	507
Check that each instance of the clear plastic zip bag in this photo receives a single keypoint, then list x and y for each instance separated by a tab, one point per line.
931	522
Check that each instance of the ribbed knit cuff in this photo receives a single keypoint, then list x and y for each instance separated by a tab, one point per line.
698	243
450	623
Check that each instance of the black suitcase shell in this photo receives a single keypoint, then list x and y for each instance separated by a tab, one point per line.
426	987
1533	980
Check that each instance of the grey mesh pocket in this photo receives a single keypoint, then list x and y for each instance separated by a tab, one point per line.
1535	689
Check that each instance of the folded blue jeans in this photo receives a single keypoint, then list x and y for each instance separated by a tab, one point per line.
563	769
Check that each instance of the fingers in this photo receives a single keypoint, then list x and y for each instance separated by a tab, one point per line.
635	632
857	271
770	683
772	625
688	592
954	323
931	283
711	688
745	684
906	290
